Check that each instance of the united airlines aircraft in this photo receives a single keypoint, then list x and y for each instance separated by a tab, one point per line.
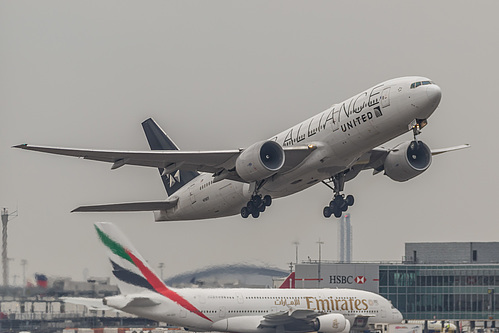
234	310
331	147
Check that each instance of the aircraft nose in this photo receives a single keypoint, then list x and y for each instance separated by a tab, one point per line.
434	94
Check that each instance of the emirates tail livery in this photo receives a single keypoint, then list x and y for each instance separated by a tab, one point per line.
331	147
235	310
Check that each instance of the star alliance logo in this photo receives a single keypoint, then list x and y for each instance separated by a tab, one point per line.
174	178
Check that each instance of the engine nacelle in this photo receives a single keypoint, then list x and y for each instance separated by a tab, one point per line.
260	160
331	323
407	160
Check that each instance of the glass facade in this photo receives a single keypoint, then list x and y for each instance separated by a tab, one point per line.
464	292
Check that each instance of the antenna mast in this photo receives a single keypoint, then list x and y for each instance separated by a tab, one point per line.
5	262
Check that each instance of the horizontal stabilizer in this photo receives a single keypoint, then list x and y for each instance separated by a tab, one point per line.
146	206
94	304
143	302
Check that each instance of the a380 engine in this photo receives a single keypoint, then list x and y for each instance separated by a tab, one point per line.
331	323
407	160
260	160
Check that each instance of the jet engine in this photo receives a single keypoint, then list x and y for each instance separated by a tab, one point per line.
331	323
260	160
407	160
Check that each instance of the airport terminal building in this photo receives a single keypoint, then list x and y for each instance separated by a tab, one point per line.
435	280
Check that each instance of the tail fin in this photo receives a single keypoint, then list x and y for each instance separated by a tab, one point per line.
132	271
289	283
158	140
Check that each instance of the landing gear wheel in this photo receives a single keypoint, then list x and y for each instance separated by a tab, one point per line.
257	200
350	200
262	207
256	205
245	212
327	212
338	205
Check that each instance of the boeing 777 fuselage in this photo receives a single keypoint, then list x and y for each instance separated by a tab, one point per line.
331	147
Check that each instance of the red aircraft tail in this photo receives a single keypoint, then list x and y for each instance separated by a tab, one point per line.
289	283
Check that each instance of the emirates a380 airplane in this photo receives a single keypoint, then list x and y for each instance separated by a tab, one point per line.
233	310
331	147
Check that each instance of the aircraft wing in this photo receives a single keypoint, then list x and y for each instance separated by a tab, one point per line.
295	317
203	161
375	158
445	150
301	318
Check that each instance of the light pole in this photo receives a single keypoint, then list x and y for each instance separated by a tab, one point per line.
161	266
319	265
296	252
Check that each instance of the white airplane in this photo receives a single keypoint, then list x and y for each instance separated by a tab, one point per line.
236	310
331	147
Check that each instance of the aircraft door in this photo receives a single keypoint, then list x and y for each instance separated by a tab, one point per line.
222	312
382	313
240	298
192	194
385	97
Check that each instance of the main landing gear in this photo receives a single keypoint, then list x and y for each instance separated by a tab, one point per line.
340	203
256	205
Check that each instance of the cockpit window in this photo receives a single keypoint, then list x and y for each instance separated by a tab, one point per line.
417	84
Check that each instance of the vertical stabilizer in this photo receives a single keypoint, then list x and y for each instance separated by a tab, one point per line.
159	140
132	271
289	283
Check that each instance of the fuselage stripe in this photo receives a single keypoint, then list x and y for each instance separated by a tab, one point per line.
161	288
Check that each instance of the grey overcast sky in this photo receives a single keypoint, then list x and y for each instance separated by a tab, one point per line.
222	75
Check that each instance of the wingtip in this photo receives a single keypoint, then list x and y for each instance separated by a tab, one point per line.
22	146
148	120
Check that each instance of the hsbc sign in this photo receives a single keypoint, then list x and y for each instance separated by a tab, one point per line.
360	276
344	279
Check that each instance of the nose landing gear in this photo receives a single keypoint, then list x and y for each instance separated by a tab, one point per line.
340	203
